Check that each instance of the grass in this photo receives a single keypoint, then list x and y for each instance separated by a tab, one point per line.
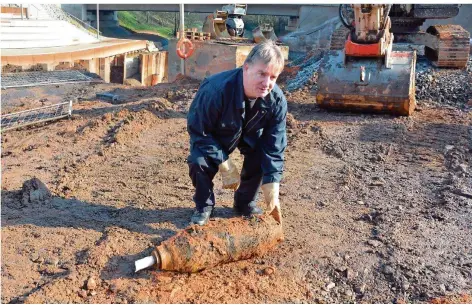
132	22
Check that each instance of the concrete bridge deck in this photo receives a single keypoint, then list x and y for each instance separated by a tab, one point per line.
292	10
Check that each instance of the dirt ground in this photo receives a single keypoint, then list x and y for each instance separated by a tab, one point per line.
377	208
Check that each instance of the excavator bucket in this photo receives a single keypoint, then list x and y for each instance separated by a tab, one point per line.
264	32
366	84
216	27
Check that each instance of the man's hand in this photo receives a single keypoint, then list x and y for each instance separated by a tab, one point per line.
271	197
229	175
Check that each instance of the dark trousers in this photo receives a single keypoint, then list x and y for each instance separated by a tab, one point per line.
202	174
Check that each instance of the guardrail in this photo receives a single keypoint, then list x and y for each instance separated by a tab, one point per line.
71	19
34	116
83	25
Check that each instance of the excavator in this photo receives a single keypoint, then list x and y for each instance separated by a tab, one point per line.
228	23
364	73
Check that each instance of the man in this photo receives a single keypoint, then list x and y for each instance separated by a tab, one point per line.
241	108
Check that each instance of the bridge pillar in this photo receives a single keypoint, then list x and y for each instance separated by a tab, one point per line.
292	24
107	18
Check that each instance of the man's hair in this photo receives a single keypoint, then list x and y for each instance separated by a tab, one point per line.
266	52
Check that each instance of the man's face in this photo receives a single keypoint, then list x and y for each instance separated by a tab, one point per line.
259	79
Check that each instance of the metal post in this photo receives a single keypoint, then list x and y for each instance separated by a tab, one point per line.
21	8
98	23
70	108
182	61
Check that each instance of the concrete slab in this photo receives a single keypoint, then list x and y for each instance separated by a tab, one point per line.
210	57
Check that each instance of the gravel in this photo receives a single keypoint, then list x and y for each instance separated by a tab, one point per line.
307	71
442	86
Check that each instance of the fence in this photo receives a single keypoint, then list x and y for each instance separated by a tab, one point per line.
34	116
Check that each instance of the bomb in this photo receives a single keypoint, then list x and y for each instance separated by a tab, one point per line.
196	248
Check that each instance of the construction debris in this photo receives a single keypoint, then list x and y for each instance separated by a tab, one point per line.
306	72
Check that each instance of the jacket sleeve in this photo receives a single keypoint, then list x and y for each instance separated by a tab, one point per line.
202	119
274	141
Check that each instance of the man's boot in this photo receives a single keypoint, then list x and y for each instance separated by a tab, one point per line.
202	218
247	210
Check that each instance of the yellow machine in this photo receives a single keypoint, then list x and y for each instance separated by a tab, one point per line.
226	23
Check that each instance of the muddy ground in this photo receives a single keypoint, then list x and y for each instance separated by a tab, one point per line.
377	208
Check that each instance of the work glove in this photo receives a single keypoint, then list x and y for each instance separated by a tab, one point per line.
271	197
229	175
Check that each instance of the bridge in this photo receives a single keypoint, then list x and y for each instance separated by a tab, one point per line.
108	11
290	10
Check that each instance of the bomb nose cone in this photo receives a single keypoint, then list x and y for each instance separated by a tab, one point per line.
144	263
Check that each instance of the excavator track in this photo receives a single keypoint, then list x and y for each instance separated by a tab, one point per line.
454	46
338	38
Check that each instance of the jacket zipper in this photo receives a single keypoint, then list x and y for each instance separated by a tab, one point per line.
236	141
241	132
255	122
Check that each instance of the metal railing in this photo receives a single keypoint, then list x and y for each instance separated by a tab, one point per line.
60	14
34	116
37	78
83	25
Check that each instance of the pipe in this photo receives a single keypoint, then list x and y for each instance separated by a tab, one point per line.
98	23
182	24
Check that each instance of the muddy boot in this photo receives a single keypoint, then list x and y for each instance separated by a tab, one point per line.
202	218
248	210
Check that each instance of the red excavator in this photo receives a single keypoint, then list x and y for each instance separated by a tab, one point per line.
364	73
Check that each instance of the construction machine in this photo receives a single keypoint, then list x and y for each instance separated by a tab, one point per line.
227	22
365	73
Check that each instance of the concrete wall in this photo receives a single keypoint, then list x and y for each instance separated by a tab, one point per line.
77	10
131	65
210	58
313	16
464	18
153	68
318	37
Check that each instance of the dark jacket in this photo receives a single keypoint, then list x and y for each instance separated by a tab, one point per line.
215	124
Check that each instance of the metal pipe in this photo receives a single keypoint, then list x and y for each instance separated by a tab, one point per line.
21	9
98	23
182	24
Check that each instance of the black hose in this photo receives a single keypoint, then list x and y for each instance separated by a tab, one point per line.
386	16
344	22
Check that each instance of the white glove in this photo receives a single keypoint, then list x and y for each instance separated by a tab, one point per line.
229	175
271	197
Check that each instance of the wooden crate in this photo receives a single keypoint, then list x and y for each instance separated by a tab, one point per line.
192	34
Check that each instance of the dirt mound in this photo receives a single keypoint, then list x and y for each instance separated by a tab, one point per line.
130	125
34	191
